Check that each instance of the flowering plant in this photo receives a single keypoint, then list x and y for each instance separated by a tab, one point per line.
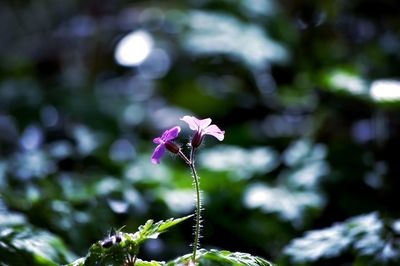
202	128
121	248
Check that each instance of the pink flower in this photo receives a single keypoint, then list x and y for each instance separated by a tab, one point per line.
202	128
164	142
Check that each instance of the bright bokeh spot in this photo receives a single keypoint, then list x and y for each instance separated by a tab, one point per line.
385	90
349	82
134	48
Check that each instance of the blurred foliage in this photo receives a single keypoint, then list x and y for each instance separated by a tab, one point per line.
307	91
24	245
374	242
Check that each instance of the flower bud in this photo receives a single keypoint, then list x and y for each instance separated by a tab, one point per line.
172	147
197	139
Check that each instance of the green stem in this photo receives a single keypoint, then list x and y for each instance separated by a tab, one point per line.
198	204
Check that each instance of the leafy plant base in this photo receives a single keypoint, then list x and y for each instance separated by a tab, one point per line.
122	249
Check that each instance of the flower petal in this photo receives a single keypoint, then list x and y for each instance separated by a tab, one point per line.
214	131
192	121
157	154
158	141
204	123
171	133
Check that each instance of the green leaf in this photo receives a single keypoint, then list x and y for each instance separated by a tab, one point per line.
151	230
140	262
78	262
222	258
21	244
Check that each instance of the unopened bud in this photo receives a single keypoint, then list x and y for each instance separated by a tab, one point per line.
172	147
197	139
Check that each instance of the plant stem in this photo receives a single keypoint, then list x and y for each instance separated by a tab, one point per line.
198	204
183	156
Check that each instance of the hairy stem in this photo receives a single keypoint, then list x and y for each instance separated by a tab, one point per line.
198	204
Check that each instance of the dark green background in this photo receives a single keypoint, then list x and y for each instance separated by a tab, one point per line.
76	128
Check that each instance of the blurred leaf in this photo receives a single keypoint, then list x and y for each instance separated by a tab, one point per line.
365	235
290	205
219	33
238	162
303	151
21	244
346	81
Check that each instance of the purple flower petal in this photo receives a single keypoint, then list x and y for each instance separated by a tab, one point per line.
171	134
192	121
157	154
159	151
203	127
204	123
196	124
157	141
214	131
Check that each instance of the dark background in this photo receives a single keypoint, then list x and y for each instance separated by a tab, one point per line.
305	90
